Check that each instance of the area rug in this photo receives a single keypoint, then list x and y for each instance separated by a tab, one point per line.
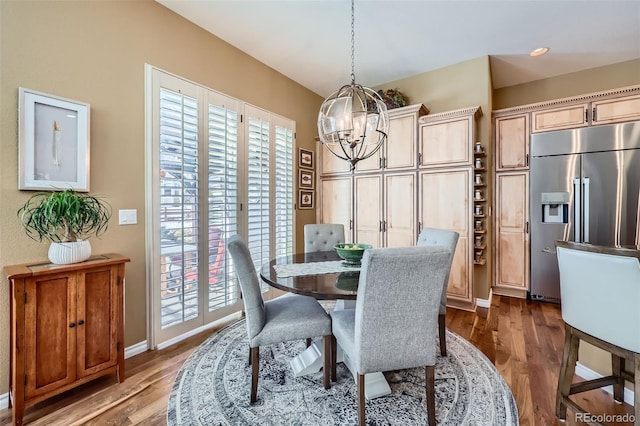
213	387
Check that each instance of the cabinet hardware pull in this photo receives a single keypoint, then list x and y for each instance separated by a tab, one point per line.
593	115
73	324
586	115
80	322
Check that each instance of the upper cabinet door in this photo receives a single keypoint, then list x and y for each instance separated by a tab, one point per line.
399	151
330	164
512	142
616	110
446	143
568	117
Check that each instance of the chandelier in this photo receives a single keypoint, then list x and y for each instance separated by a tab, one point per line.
353	122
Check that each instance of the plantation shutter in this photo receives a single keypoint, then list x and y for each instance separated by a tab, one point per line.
178	207
258	205
222	203
284	140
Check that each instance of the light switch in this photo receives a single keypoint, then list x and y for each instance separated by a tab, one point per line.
127	216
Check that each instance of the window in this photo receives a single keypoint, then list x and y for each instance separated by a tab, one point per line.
216	167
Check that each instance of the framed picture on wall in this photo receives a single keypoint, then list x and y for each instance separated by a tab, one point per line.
305	199
305	158
305	179
53	147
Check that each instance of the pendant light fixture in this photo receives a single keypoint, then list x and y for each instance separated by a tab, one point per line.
353	122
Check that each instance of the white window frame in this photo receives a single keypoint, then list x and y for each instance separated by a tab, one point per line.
155	78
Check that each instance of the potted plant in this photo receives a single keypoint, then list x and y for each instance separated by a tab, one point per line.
393	98
66	218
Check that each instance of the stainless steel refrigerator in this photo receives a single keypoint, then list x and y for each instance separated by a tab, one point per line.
584	186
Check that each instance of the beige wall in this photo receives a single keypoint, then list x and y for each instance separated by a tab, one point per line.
588	81
95	52
462	85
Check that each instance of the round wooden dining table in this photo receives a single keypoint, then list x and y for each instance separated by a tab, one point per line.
324	286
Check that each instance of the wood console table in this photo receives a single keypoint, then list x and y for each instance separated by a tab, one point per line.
66	327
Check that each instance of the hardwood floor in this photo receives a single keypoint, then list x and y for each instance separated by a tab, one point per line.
524	340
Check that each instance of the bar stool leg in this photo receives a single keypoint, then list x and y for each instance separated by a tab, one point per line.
567	370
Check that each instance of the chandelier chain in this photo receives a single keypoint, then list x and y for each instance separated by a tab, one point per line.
353	43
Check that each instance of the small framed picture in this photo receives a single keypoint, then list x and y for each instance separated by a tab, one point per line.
305	199
306	158
305	179
53	142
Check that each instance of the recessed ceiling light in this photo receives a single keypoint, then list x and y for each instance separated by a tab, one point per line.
539	51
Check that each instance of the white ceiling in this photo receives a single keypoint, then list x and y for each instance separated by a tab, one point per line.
310	40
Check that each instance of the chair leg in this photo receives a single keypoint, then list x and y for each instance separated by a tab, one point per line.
442	334
617	367
255	369
567	370
430	388
636	379
334	357
361	402
309	341
326	360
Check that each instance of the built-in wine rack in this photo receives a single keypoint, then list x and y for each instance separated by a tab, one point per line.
479	205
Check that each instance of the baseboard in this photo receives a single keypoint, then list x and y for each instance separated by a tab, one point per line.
485	303
200	329
133	350
588	374
136	349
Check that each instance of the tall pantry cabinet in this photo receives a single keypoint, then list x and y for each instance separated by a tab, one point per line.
446	186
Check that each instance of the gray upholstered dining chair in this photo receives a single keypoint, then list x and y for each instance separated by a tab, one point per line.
285	318
322	236
449	239
394	323
600	295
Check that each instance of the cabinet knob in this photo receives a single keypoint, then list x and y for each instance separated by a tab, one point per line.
80	322
73	324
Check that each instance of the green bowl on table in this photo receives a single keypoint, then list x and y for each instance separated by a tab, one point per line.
351	252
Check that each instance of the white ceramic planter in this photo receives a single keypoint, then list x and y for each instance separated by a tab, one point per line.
65	253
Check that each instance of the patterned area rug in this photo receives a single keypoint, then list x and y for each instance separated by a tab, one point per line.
213	387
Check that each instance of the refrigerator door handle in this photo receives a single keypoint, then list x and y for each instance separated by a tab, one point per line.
576	210
585	202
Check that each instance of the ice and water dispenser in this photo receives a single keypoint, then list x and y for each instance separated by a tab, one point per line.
555	207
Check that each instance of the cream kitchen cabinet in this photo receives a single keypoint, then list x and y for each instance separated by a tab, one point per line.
445	202
400	150
329	163
567	117
385	209
368	212
336	196
616	110
593	113
447	139
512	234
512	142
